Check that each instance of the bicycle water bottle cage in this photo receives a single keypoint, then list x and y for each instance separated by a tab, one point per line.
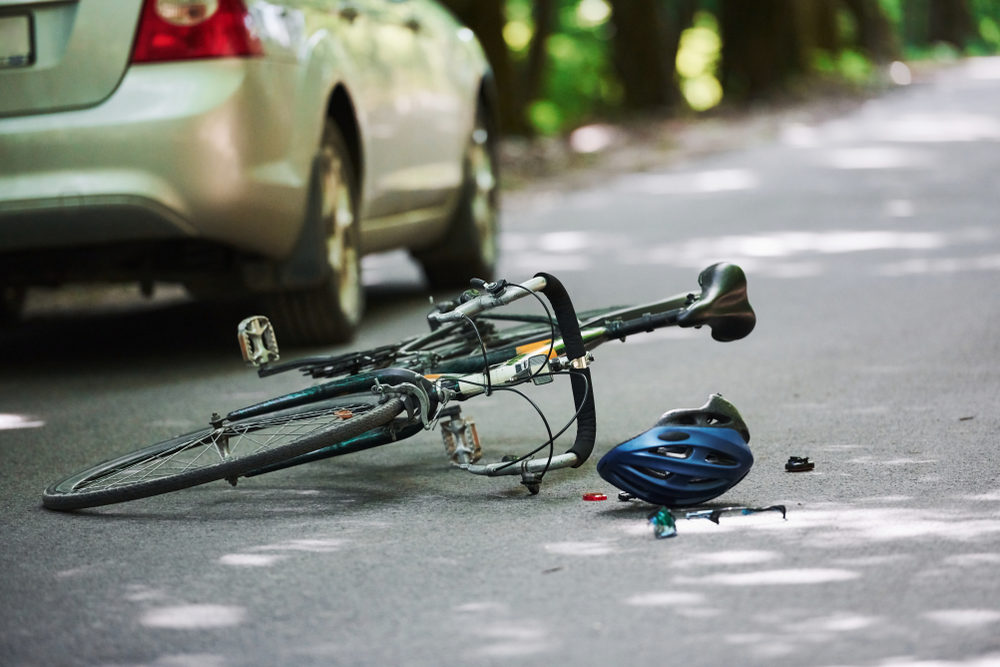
723	305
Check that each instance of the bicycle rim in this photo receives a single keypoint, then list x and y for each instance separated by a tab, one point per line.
210	454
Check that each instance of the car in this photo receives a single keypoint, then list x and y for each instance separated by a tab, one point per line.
252	149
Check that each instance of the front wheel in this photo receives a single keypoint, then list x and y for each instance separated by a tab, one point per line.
231	450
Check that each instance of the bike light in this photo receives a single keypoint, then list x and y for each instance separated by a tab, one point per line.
190	29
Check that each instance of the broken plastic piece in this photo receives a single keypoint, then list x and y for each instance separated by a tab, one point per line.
595	495
799	464
625	496
663	523
714	514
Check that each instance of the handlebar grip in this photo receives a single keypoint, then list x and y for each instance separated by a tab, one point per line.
583	386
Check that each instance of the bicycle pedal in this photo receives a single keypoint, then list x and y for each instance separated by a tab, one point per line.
258	342
460	437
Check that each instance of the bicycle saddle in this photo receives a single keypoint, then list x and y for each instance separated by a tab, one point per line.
722	305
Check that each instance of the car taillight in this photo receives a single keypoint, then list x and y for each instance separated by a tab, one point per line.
186	29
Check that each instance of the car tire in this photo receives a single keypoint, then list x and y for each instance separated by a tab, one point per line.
330	311
470	247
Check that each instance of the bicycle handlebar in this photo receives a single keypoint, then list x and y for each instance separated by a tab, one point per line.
583	389
497	294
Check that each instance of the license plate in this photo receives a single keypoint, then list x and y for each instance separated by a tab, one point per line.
15	41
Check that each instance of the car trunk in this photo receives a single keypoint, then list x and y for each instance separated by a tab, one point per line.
57	54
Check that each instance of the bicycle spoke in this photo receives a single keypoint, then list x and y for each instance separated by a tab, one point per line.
203	449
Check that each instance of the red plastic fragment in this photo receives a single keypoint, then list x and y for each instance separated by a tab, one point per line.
595	495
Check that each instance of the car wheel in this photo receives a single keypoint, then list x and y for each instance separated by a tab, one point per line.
470	248
329	312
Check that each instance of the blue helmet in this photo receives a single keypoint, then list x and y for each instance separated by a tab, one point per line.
688	457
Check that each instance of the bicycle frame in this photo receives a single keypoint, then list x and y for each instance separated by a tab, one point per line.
722	305
411	386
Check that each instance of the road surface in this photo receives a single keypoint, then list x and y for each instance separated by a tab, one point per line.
872	245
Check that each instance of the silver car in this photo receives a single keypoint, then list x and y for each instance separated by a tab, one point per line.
252	148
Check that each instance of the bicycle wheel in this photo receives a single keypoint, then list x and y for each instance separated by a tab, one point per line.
227	452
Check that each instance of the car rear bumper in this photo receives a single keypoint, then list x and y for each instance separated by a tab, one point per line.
198	151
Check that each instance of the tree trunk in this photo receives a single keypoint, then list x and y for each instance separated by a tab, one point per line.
762	47
544	16
647	34
875	35
950	21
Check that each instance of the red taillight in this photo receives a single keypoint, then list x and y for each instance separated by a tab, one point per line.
186	29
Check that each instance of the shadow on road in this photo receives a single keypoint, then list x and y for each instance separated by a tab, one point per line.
132	329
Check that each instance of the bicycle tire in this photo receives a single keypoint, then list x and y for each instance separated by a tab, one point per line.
251	444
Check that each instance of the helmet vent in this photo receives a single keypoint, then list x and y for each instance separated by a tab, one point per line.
673	451
659	474
715	458
716	419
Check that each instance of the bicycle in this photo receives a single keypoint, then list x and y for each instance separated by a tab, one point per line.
390	393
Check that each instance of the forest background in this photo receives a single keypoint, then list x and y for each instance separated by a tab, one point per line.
561	64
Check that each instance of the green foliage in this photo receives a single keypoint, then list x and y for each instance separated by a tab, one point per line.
698	62
580	84
850	65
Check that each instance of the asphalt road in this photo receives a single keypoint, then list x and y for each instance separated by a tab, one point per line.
872	244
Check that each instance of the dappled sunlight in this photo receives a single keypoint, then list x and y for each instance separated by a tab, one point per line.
739	557
306	545
581	548
940	265
9	422
786	577
787	254
973	560
501	632
193	617
876	157
594	138
983	69
992	496
899	208
665	599
700	182
250	560
743	249
141	593
964	618
950	126
849	526
512	638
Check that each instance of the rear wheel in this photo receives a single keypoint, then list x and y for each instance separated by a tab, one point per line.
470	248
226	452
331	311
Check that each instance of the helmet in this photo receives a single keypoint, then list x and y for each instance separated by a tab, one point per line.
688	457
